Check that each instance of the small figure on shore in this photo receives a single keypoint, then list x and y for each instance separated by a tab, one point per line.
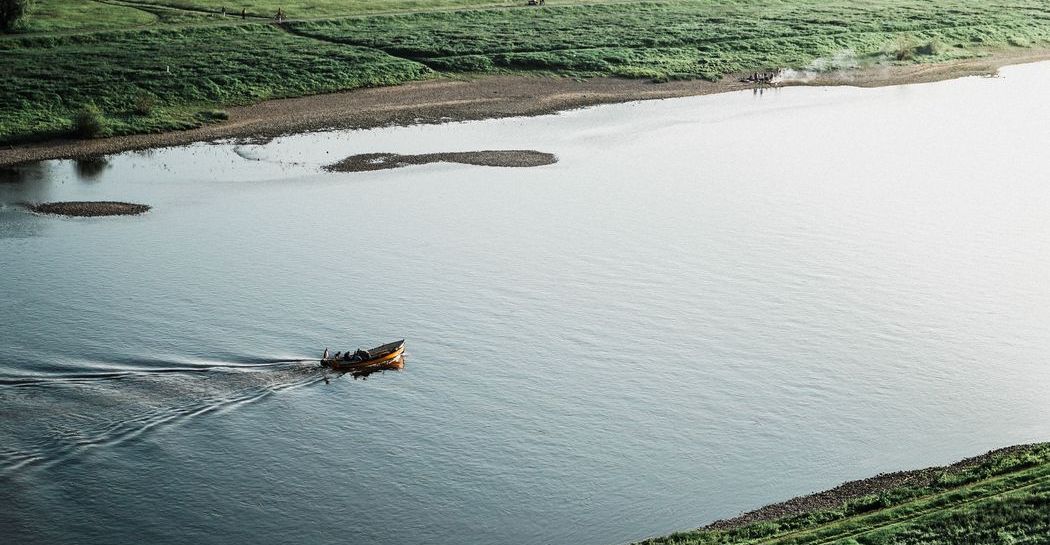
280	16
224	11
244	13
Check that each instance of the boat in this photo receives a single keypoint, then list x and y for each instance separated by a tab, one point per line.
362	359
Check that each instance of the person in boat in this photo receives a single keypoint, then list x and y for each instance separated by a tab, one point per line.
346	356
336	355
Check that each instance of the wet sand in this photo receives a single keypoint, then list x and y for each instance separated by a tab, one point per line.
443	100
89	208
488	158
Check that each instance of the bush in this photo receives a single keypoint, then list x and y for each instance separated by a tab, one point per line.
143	104
11	11
904	48
930	49
88	122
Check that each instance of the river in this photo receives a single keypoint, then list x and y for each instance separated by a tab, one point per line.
707	304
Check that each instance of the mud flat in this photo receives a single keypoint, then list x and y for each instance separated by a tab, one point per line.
488	158
89	208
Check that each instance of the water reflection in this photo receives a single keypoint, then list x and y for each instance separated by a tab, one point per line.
25	183
24	173
364	371
40	181
90	168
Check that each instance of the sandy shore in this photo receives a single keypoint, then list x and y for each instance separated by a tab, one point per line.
485	97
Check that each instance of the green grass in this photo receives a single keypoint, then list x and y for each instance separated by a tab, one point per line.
1004	500
299	9
189	59
699	39
185	70
64	15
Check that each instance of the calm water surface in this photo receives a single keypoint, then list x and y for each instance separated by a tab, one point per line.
708	304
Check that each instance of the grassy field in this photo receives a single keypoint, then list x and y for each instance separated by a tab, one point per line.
181	58
699	39
1005	500
300	9
180	71
50	16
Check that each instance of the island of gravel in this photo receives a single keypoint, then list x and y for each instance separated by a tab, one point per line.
89	208
488	158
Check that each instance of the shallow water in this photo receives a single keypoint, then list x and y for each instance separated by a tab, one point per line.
706	305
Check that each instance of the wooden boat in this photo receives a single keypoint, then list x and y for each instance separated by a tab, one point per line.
361	359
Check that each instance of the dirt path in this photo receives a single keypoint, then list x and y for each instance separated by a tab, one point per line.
442	100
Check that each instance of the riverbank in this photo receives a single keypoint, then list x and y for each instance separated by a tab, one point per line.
483	97
1002	492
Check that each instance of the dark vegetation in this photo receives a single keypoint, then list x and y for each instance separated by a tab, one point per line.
180	61
11	12
1002	497
88	122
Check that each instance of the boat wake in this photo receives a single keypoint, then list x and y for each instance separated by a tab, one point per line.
53	418
130	369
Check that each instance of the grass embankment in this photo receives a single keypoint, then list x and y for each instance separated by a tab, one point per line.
181	73
180	57
1003	499
303	9
50	16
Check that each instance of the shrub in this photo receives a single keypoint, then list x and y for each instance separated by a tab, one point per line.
11	11
904	48
88	121
931	48
143	104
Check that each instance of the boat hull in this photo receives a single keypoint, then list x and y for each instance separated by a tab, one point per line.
387	357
